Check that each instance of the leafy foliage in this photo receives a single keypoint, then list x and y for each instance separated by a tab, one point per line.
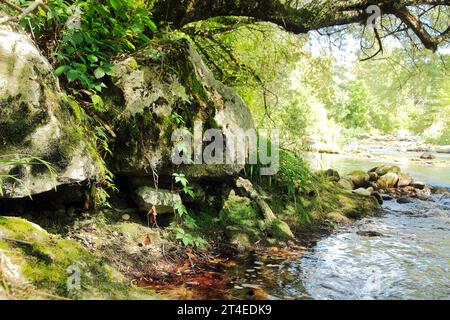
80	37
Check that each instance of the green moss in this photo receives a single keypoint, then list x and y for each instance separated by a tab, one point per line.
18	120
44	259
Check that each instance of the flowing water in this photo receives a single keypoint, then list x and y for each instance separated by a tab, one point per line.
409	259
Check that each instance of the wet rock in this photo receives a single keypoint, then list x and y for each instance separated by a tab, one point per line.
403	200
346	184
389	180
164	201
404	179
377	196
424	194
369	234
427	156
417	185
386	197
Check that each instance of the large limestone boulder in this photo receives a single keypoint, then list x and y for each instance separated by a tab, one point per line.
162	88
34	124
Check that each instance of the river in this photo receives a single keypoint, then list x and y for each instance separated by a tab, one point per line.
410	260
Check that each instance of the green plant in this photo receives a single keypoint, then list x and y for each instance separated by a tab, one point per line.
185	227
187	189
81	37
189	239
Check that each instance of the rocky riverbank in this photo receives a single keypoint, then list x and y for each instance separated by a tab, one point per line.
382	182
91	195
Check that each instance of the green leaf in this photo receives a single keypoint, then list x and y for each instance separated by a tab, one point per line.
92	58
99	73
151	25
116	4
73	75
60	70
97	102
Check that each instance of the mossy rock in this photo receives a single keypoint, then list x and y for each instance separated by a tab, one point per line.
45	264
359	178
36	124
149	100
281	230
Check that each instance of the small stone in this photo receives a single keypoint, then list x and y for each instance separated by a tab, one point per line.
251	286
403	200
238	287
418	185
427	156
250	270
126	217
259	263
369	234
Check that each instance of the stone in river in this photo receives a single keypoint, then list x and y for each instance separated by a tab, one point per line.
427	156
369	234
418	185
403	200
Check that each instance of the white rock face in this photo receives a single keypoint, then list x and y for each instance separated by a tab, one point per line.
35	123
